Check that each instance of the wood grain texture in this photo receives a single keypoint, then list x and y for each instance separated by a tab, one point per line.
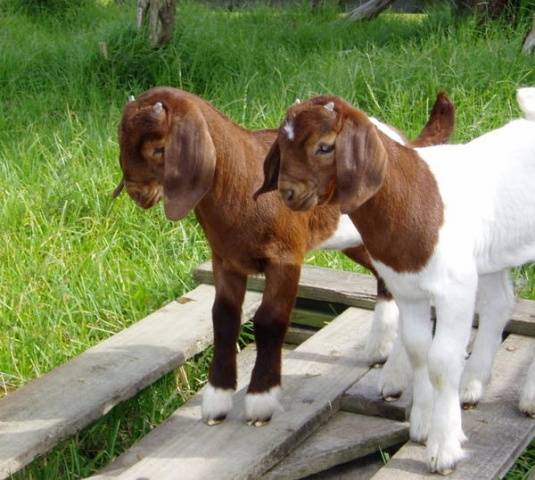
346	437
357	290
38	415
324	284
359	469
364	397
315	375
497	432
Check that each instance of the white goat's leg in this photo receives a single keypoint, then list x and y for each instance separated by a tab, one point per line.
446	360
396	373
527	396
494	303
383	331
416	331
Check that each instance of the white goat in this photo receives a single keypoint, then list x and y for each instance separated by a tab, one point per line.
443	225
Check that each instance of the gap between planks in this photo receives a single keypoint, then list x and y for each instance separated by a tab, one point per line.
34	418
357	290
315	375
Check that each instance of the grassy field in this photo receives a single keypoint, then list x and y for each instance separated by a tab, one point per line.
76	267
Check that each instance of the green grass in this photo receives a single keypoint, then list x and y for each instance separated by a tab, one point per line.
76	267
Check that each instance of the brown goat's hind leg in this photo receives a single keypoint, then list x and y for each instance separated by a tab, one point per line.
385	322
226	314
270	325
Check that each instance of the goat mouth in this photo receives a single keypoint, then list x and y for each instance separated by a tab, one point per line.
326	197
306	202
149	202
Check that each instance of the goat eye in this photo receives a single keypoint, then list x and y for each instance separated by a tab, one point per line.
325	148
159	151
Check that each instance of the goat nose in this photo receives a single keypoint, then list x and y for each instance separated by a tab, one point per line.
288	194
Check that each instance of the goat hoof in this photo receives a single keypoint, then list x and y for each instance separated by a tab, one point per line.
469	405
527	402
216	403
392	398
255	422
260	407
215	421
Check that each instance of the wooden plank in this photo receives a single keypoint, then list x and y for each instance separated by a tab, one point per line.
357	290
315	375
359	469
497	432
364	397
298	335
324	284
153	440
37	416
346	437
310	318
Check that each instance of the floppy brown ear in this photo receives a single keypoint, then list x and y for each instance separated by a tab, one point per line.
360	164
190	160
272	165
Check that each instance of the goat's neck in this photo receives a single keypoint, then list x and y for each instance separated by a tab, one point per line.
400	223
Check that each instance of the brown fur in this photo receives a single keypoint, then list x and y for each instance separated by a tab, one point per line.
400	226
246	236
366	167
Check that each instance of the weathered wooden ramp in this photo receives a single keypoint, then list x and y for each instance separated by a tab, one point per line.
315	376
333	422
37	416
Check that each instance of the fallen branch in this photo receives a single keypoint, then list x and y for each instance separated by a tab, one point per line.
368	10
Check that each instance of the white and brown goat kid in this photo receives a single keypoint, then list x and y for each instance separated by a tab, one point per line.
176	146
442	224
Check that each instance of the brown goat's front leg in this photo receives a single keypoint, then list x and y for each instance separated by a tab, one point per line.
226	314
385	322
270	325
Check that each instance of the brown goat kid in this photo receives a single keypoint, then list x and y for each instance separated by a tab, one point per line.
177	147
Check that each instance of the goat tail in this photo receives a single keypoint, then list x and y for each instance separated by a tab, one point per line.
439	127
526	100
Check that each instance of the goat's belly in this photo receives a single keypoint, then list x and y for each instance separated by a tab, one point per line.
403	285
500	259
345	236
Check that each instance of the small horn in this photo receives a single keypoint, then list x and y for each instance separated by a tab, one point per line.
118	189
131	98
329	106
297	101
157	108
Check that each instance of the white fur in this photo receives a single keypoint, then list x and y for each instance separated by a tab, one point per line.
216	402
489	226
526	100
396	373
383	331
495	302
527	396
260	407
387	130
345	236
289	130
